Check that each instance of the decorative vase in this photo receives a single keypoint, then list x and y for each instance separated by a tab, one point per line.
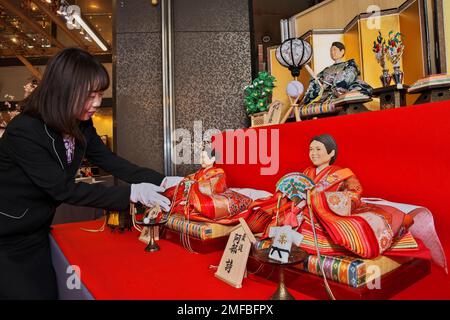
397	75
386	78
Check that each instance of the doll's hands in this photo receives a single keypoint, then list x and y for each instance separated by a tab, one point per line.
147	194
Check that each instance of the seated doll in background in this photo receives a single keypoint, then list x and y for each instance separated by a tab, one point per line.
337	79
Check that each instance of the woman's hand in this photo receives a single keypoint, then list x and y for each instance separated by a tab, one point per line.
147	194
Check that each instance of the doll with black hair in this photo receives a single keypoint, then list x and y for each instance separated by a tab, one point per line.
337	79
342	222
204	194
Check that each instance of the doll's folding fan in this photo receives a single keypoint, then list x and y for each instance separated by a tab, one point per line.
294	186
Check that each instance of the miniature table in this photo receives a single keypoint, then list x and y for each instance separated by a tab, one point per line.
297	256
392	96
152	226
433	93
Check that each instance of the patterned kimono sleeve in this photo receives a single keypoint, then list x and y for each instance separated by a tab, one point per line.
357	84
354	189
349	75
313	90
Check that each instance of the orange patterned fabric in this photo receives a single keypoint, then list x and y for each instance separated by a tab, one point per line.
204	196
369	231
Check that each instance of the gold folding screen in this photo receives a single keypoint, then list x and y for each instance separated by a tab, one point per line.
358	37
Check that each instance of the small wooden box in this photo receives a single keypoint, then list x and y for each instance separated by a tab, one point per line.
258	119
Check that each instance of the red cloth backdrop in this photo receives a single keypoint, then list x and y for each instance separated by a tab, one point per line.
401	155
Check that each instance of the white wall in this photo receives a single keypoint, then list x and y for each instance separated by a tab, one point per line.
322	44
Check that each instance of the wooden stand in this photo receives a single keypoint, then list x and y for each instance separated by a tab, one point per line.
294	106
198	245
342	109
352	108
392	283
392	96
433	94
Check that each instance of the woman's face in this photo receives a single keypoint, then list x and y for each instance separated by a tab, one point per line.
319	155
93	102
336	53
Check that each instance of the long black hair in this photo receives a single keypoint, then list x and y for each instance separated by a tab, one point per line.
69	78
329	143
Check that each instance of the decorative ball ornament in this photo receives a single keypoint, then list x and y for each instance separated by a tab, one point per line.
294	53
294	89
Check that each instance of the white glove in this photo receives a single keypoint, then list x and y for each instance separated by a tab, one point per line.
147	194
171	181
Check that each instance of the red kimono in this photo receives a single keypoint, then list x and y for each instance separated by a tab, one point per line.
204	196
365	230
368	230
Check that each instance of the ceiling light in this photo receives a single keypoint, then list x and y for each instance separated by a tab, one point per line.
72	13
89	31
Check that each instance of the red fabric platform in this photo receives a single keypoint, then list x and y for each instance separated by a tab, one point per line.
115	266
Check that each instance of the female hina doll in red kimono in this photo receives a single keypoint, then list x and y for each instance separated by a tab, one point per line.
342	223
204	195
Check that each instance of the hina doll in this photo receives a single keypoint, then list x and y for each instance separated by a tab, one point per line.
342	223
337	79
343	220
204	195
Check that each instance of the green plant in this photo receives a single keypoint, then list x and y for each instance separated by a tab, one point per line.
258	94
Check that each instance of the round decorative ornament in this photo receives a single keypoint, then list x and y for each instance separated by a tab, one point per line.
294	89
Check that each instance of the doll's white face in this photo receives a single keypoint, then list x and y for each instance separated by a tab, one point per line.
336	54
319	155
206	161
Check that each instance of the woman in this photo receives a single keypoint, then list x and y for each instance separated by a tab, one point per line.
336	79
40	154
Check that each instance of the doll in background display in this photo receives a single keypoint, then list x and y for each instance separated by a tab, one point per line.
337	79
